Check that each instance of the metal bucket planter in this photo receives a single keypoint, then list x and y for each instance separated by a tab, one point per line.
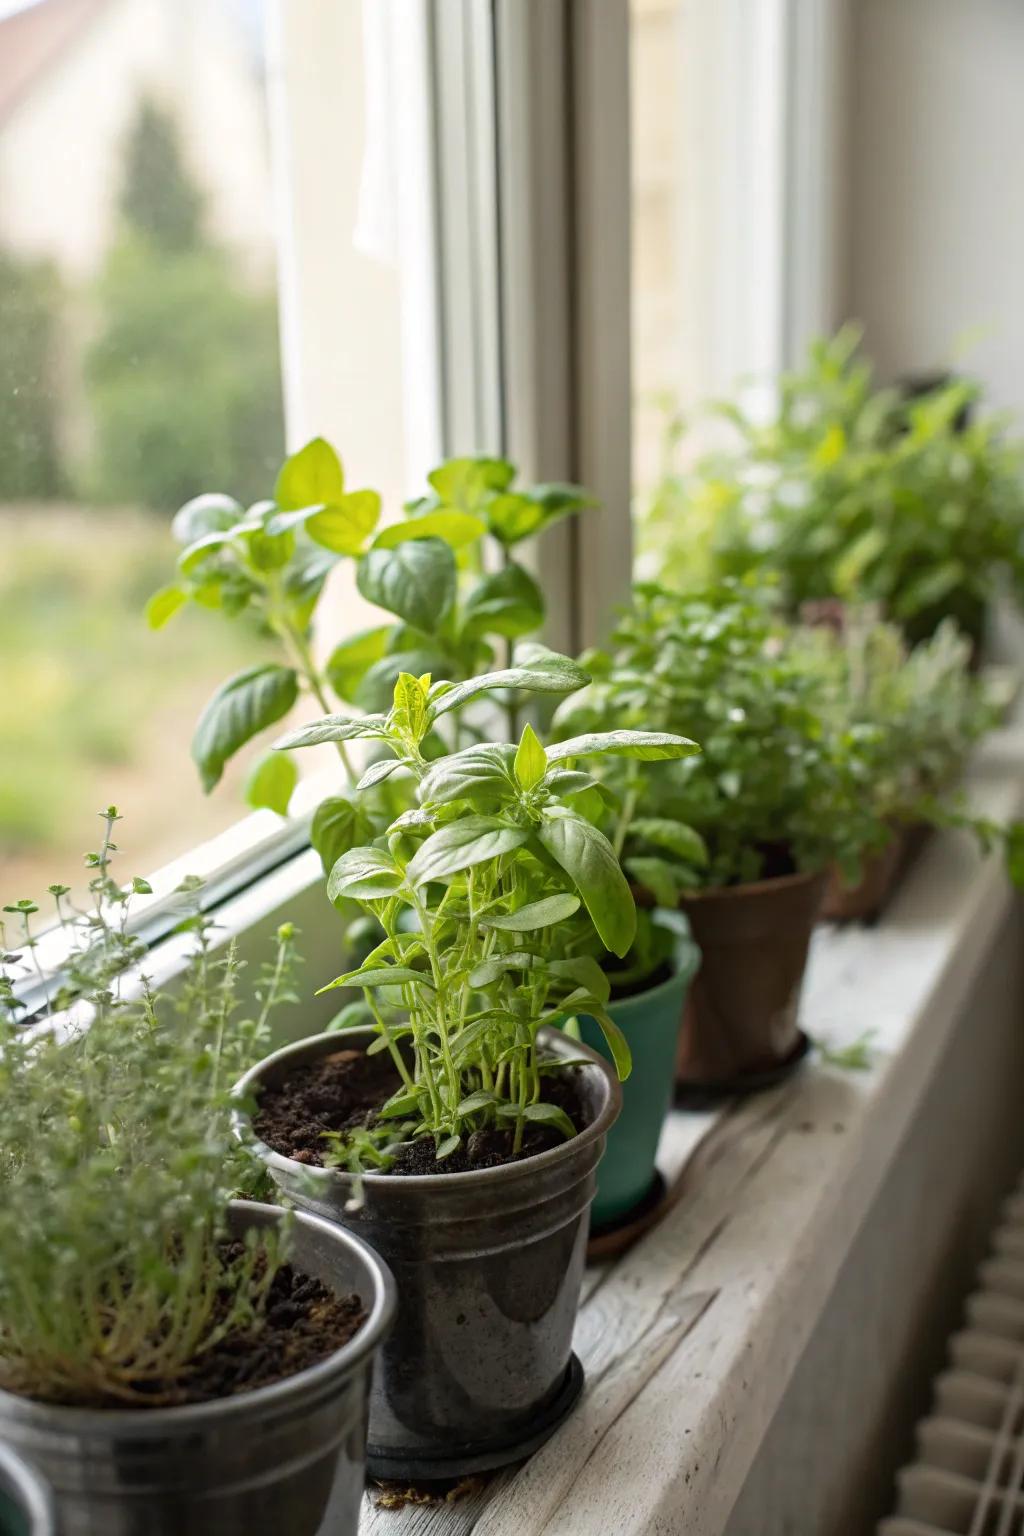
26	1507
650	1021
284	1458
479	1370
740	1031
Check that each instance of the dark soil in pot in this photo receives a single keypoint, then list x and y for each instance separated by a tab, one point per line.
741	1020
345	1089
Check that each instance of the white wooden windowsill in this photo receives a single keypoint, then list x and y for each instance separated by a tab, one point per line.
690	1339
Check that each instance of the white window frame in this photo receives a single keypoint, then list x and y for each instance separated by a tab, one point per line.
516	296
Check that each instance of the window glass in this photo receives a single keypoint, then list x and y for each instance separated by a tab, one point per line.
140	365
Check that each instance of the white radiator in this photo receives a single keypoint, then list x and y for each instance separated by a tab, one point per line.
968	1478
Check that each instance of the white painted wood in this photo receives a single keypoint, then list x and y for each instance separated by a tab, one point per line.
689	1340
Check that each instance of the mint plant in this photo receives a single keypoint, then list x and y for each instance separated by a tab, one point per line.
777	785
118	1157
487	891
448	614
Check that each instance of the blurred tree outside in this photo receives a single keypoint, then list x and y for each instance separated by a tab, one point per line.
183	378
30	459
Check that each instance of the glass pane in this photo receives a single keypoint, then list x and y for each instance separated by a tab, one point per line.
140	364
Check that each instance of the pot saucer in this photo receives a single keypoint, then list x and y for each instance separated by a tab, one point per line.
614	1237
703	1095
458	1462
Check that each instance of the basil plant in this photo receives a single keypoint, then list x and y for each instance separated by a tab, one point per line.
446	613
488	890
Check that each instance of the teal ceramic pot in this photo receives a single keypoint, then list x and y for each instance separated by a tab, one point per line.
650	1021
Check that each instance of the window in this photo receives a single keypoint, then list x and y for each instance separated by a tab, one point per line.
181	147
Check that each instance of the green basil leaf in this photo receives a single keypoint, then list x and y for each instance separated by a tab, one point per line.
509	603
546	1114
649	746
544	672
378	686
665	881
311	477
349	662
583	971
332	728
676	836
589	860
465	482
482	1099
246	704
415	580
338	825
210	513
345	524
483	772
364	874
449	1145
383	976
543	913
462	844
455	528
270	783
618	1045
531	764
163	605
378	772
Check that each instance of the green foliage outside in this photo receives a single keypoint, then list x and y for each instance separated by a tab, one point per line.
30	300
183	378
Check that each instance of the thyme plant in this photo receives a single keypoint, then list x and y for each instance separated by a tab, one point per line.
487	891
118	1157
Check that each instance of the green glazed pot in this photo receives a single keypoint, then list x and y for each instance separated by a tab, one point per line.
650	1021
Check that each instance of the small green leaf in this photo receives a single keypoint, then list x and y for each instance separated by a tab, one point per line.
349	662
618	1045
676	836
210	513
246	704
455	528
338	825
462	844
383	976
541	1114
466	482
648	746
378	772
589	860
364	874
345	525
544	913
531	764
311	477
544	672
332	728
482	1099
163	605
481	773
665	881
377	687
509	603
449	1145
270	783
415	580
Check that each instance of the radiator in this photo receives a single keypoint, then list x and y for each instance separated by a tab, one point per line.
968	1476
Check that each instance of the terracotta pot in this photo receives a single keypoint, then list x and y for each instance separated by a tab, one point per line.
866	900
742	1016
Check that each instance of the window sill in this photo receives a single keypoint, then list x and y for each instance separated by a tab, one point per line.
690	1340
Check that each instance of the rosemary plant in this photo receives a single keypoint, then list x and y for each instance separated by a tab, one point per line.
488	892
118	1157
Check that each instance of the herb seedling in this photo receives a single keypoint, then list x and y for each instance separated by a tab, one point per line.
118	1158
476	888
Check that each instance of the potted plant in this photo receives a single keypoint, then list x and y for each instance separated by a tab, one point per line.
461	1132
773	799
859	494
916	714
26	1506
171	1359
267	564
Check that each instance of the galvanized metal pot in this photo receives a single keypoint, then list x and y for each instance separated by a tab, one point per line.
283	1458
26	1505
479	1370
